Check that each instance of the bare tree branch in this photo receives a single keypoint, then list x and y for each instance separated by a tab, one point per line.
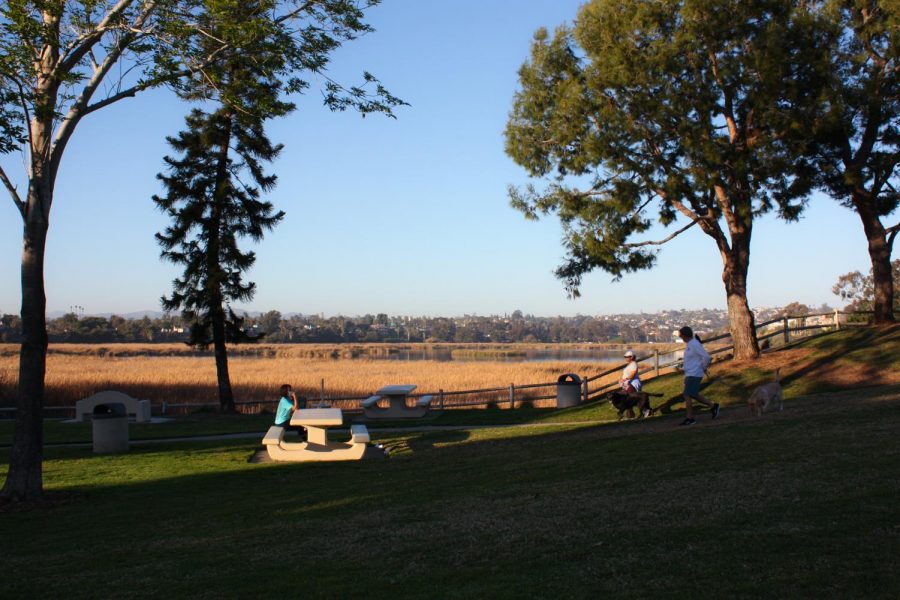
300	9
127	93
86	43
79	109
13	193
21	96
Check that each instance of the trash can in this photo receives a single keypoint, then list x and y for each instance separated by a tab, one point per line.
110	428
568	390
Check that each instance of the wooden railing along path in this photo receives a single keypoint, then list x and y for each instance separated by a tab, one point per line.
512	395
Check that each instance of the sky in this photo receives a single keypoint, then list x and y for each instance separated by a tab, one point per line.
405	216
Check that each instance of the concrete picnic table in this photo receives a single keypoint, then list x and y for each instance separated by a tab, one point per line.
316	447
396	395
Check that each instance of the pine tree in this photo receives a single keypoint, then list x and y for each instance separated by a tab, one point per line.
213	194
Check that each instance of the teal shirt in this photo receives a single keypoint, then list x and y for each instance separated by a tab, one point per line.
285	409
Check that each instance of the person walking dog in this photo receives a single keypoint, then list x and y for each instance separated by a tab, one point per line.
696	360
631	379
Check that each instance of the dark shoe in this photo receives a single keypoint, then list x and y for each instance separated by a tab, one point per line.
688	422
715	410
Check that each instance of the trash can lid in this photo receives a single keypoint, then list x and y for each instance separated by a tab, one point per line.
569	378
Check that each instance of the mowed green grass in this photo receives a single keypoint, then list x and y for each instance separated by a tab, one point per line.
802	503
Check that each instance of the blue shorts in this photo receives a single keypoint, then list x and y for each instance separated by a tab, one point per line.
692	386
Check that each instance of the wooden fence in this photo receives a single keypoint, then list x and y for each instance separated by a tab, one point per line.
592	386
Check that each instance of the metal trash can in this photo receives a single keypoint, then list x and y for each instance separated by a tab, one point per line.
110	428
568	390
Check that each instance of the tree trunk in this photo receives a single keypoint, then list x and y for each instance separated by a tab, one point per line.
226	397
215	276
25	478
741	320
880	255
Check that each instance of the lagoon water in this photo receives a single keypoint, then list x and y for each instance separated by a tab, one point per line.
536	355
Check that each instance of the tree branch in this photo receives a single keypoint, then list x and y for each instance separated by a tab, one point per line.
80	108
302	8
728	109
663	241
25	111
86	43
13	193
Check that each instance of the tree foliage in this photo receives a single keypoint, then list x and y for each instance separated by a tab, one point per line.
859	290
209	216
853	135
644	113
63	60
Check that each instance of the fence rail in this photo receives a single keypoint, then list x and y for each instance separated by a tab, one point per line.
512	395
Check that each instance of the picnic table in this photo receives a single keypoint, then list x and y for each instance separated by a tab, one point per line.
317	447
397	407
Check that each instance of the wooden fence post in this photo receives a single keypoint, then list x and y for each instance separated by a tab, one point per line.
585	393
441	399
837	320
787	331
512	395
322	392
656	360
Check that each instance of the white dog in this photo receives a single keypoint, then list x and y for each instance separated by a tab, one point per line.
766	394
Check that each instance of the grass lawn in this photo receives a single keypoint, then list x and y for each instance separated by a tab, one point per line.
799	503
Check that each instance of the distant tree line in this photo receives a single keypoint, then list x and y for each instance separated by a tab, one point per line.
273	327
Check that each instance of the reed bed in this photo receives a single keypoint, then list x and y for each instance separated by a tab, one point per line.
325	351
192	379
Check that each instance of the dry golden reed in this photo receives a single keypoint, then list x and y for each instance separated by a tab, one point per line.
77	371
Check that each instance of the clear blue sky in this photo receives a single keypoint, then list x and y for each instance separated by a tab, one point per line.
407	216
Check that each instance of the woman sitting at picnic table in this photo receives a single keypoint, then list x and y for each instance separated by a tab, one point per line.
286	406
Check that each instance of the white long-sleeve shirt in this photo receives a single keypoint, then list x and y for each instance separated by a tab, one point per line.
696	359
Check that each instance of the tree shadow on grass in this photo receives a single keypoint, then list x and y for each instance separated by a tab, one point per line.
420	442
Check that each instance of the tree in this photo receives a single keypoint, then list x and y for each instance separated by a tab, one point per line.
795	309
64	60
270	322
859	290
213	190
856	141
673	104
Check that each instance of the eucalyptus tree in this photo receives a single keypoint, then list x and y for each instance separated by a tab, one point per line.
857	129
62	61
676	105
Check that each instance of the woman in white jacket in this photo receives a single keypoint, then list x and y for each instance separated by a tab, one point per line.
696	359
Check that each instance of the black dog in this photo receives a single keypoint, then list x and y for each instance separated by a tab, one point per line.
626	402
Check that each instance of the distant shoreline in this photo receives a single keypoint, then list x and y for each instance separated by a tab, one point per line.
335	350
